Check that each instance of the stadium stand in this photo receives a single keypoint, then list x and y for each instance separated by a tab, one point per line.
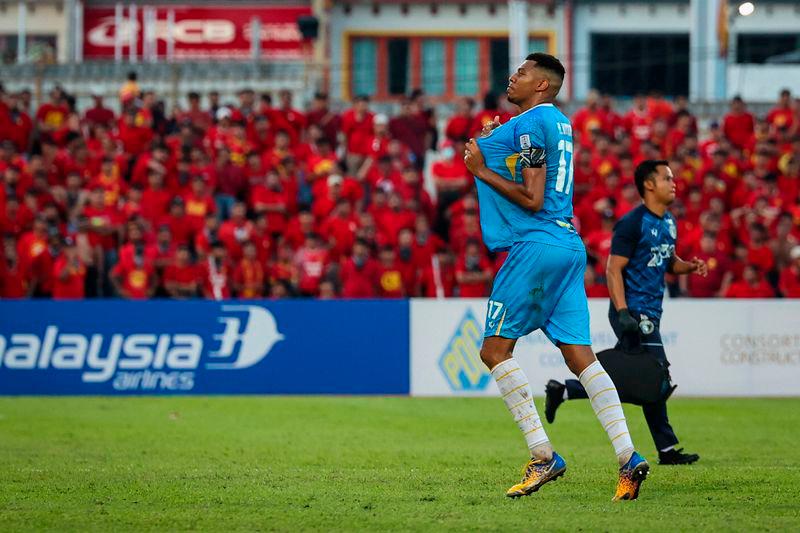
256	198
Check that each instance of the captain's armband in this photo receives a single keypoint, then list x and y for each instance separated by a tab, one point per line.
532	157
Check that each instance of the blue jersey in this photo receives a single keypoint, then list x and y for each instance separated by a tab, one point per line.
540	132
648	241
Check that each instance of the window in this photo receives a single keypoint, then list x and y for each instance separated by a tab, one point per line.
444	66
466	67
398	66
38	49
765	48
364	67
498	58
627	64
433	67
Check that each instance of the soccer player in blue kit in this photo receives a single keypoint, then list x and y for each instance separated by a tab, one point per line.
523	172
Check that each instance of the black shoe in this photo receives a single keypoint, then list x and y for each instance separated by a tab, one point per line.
554	396
677	457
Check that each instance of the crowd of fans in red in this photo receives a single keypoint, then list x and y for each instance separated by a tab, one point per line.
260	199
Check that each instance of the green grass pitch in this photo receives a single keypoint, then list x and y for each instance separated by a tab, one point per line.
336	464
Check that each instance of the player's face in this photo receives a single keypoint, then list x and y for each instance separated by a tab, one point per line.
665	185
524	82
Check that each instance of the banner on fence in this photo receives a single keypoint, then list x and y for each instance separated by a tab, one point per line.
716	347
167	347
198	32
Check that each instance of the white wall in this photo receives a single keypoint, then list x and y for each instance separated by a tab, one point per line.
42	19
762	83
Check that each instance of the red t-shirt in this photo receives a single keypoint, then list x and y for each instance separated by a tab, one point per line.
741	289
72	287
597	290
197	207
233	234
101	218
391	282
262	197
458	127
781	117
358	131
473	289
708	287
311	264
52	115
790	283
360	282
14	281
738	128
136	279
185	274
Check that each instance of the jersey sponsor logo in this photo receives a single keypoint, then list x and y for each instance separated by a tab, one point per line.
673	231
155	360
660	253
460	362
646	325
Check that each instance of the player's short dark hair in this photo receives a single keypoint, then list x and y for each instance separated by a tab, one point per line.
645	171
549	63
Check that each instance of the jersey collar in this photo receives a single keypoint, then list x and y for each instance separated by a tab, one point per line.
546	104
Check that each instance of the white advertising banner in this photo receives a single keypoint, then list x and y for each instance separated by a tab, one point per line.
715	347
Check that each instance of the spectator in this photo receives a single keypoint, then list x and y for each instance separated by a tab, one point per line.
739	123
719	274
460	124
248	276
751	285
594	287
134	277
473	271
312	262
99	115
390	274
215	273
360	274
181	276
789	284
782	115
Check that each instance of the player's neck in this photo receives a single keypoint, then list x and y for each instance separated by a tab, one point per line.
533	101
655	207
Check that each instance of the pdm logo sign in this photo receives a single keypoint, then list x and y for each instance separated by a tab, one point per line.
460	362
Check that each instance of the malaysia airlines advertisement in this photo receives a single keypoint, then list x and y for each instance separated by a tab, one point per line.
118	347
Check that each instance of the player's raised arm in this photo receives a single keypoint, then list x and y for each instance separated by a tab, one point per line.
529	194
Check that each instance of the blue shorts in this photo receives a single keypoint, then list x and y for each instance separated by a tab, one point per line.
540	286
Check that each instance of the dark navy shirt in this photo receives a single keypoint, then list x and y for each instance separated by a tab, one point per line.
648	241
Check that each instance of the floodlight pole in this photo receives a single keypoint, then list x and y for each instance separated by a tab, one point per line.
517	32
22	13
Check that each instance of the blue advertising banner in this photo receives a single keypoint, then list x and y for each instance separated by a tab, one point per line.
203	347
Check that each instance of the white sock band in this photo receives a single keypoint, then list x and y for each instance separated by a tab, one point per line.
608	409
517	395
